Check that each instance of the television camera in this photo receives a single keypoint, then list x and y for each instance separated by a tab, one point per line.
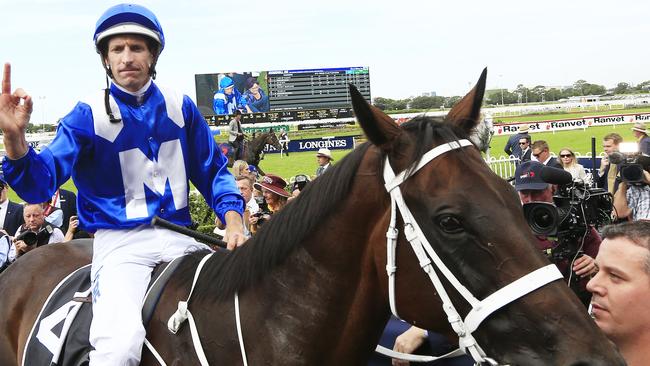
576	207
630	162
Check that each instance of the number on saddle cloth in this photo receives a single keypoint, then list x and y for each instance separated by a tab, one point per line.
61	333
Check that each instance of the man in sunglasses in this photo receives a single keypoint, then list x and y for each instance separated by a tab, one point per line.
541	153
512	147
524	145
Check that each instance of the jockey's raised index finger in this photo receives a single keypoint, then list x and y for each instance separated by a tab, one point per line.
6	79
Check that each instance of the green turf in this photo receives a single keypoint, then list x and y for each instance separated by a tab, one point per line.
574	114
577	140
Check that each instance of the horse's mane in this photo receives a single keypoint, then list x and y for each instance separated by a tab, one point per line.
228	272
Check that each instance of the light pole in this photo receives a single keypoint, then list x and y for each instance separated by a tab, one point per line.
501	87
42	98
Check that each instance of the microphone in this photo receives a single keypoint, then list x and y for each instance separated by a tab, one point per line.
555	176
616	157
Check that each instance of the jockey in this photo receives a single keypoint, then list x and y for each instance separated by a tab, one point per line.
130	149
228	99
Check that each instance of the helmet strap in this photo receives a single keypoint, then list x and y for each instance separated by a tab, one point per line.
107	104
152	68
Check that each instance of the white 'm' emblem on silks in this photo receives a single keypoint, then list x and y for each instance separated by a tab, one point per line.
138	171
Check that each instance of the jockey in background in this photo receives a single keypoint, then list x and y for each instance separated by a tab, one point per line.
228	99
130	150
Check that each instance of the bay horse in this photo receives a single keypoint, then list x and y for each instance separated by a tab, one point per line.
312	286
253	149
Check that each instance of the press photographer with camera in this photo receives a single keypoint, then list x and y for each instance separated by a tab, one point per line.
570	245
34	233
274	198
632	198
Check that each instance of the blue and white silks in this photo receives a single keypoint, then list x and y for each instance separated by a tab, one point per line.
129	171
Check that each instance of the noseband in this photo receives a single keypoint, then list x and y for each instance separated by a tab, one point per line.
428	257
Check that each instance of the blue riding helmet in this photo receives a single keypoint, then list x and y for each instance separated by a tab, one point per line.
129	18
226	82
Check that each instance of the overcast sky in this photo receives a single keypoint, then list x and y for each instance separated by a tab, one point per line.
411	46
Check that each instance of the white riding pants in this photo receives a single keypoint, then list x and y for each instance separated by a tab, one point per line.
121	270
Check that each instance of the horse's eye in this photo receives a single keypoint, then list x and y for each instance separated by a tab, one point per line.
450	224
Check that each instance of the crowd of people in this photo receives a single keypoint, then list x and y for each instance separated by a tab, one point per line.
610	267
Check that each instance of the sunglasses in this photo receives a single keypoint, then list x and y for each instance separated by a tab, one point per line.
522	143
566	155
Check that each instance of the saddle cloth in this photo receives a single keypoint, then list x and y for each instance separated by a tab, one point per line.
60	335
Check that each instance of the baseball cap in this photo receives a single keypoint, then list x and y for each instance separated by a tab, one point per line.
528	175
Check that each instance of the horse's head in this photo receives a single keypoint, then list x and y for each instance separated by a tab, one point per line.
272	139
473	221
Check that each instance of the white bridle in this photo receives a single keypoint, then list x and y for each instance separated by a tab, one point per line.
426	255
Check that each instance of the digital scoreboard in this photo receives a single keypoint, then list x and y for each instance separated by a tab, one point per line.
293	95
316	88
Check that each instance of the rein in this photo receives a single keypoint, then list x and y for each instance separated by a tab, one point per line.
427	257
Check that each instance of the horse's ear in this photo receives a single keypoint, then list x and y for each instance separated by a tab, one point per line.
466	113
380	129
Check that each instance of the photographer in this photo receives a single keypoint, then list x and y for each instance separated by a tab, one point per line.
633	199
576	263
34	233
275	198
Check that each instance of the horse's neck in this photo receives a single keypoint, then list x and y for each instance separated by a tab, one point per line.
257	144
326	298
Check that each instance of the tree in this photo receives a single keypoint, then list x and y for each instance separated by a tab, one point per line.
537	94
496	96
427	102
382	103
644	86
522	94
387	104
622	88
451	101
593	89
552	94
579	87
400	104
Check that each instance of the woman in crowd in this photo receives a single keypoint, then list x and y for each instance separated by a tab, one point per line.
240	167
275	198
257	100
570	164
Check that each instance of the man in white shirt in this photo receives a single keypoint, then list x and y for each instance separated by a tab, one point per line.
35	222
245	185
621	289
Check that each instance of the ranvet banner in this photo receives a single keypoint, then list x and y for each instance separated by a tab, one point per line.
332	143
571	124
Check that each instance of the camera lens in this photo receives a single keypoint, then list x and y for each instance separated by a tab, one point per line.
541	217
632	173
29	237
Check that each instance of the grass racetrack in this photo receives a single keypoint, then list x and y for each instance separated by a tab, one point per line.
578	140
